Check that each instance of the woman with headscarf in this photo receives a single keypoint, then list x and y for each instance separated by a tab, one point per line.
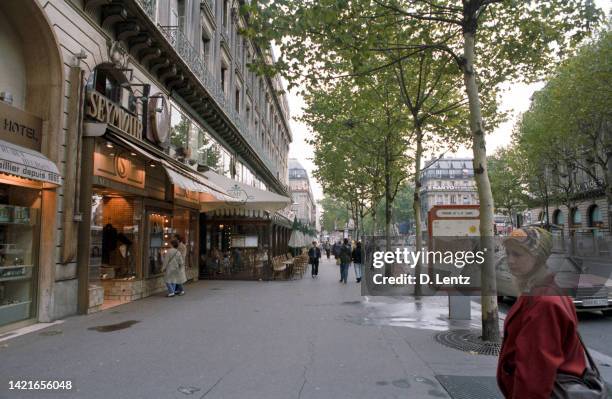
541	330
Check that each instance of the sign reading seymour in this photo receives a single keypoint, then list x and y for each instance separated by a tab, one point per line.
104	110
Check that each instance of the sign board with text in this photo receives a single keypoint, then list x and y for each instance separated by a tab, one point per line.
19	127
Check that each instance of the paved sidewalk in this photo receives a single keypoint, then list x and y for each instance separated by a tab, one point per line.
309	338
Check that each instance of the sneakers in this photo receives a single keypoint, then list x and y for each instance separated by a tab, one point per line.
170	295
359	279
181	293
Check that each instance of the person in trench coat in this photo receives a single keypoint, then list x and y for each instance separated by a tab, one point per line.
174	270
540	331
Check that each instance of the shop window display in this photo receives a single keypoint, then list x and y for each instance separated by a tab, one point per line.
114	237
19	236
160	234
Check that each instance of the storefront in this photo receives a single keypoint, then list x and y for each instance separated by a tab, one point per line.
24	174
139	198
239	238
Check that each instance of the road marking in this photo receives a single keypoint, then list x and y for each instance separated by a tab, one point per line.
26	330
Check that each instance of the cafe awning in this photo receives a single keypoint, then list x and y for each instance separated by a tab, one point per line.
182	177
244	196
28	164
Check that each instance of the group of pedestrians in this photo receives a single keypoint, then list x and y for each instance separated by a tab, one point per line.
344	253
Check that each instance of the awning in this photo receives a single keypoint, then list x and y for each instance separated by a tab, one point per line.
194	182
244	196
29	164
183	178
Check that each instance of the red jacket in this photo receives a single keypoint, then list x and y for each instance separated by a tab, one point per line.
539	340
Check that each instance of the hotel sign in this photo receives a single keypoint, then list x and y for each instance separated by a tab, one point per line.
19	127
104	110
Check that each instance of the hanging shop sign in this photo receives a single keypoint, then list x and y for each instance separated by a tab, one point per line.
104	110
159	119
19	127
120	165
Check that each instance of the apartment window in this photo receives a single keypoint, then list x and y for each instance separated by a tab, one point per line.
225	13
248	113
205	48
453	199
237	99
223	77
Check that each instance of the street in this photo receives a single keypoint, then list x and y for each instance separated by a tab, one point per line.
308	338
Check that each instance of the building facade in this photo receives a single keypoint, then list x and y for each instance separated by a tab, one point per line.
117	118
447	181
577	202
304	206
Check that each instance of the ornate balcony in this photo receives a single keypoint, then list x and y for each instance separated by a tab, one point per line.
184	48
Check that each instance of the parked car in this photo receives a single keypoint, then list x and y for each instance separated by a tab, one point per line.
588	279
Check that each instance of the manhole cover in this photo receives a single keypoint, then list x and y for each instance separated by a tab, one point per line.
468	387
467	341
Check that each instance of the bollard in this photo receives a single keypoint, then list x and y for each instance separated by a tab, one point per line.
459	306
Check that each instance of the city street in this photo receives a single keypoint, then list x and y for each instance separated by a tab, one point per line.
309	338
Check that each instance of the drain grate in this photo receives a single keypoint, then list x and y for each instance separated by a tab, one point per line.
467	387
467	341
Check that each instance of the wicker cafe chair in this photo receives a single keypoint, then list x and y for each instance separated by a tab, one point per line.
278	267
299	265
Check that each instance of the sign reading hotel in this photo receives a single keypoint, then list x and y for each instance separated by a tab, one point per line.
104	110
19	127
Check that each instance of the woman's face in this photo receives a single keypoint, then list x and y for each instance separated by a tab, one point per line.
520	261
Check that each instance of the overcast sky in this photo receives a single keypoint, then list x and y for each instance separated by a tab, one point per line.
516	100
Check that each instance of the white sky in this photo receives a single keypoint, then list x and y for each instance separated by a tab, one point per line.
516	100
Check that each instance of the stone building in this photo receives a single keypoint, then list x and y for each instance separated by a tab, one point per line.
304	206
447	181
122	124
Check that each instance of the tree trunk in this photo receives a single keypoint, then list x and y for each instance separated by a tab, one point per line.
608	184
416	207
388	268
490	321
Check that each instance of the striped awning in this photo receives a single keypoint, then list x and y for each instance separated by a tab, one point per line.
29	164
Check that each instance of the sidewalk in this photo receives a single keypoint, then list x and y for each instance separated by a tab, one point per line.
309	338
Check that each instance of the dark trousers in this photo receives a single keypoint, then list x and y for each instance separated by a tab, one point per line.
315	267
327	252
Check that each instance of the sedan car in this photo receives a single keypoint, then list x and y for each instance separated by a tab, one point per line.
588	280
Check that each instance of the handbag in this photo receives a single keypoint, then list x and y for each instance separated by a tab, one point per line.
338	261
589	386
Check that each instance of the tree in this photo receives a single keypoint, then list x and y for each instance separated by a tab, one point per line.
359	141
514	39
505	172
334	213
566	131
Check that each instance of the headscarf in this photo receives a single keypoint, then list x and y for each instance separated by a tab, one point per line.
538	242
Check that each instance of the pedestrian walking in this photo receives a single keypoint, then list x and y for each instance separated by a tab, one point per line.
357	262
541	346
345	253
327	248
336	250
182	248
314	254
174	270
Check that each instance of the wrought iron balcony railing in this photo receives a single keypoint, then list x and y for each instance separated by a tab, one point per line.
194	61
